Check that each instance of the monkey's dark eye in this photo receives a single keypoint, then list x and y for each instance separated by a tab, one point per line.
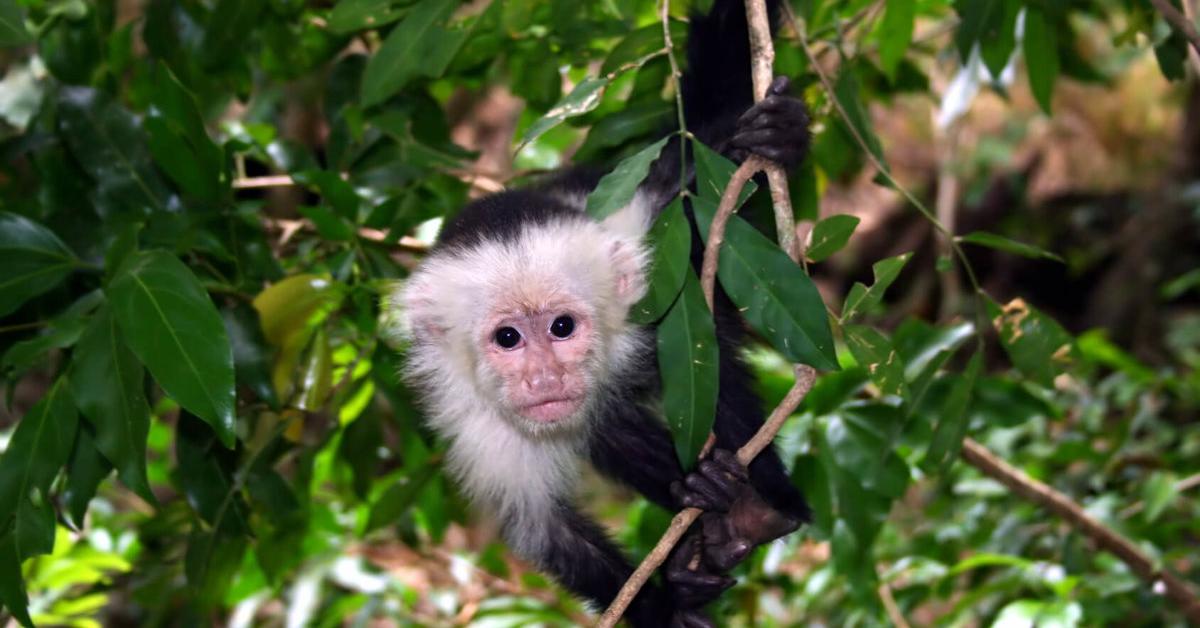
507	337
562	326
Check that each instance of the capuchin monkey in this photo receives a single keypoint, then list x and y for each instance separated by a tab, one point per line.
528	368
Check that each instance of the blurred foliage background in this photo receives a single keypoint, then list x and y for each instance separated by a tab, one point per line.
203	204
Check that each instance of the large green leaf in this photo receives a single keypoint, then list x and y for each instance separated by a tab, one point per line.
1041	55
229	26
109	142
775	295
1037	345
107	383
251	354
671	237
169	321
12	24
616	189
12	582
419	46
713	172
874	352
848	94
178	140
895	33
290	311
86	468
953	420
38	449
399	497
33	258
687	359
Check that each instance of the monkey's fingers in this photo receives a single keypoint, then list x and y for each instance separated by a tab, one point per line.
730	464
727	556
785	106
779	85
710	483
693	589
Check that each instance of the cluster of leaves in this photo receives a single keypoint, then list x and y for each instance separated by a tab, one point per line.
230	370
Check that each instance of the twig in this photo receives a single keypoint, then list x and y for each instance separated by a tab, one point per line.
1179	22
805	376
716	231
762	61
288	228
890	606
1105	538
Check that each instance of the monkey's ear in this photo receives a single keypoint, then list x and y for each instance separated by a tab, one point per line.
416	310
629	261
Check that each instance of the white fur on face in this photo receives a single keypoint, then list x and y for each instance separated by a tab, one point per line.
447	307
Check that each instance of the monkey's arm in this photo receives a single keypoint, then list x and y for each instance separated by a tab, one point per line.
634	447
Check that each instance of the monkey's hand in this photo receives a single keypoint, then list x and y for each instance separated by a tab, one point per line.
737	518
776	128
688	579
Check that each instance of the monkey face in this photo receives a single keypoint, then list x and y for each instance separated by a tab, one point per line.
526	328
541	360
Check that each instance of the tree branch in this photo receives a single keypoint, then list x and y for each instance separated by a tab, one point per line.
1104	537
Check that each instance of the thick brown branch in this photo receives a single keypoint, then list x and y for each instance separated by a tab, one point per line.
805	376
1105	538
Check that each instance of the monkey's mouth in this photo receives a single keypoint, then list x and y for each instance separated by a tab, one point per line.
551	410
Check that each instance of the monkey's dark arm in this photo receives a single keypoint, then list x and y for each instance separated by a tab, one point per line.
634	447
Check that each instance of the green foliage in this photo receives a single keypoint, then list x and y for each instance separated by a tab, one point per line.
217	345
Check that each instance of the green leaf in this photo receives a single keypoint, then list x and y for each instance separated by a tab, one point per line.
33	258
774	294
584	98
290	311
169	321
329	225
830	235
211	562
229	27
85	470
862	298
616	189
334	189
848	94
687	360
178	140
874	352
12	25
713	172
1041	55
1158	492
349	16
640	43
671	238
953	421
418	46
1001	243
251	355
204	474
62	332
1037	345
399	497
12	583
895	34
109	143
999	37
107	383
39	447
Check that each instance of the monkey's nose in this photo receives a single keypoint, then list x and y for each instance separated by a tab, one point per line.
542	381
